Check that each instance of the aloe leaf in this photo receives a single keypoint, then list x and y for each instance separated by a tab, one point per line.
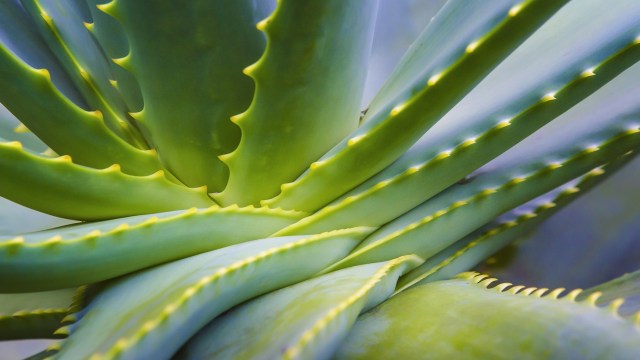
305	321
431	166
107	31
33	315
19	34
445	38
43	184
88	253
113	41
60	23
382	140
445	219
151	313
199	48
464	318
85	135
486	241
482	243
590	242
323	47
626	287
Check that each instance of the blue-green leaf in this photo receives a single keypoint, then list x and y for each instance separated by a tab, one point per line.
383	139
304	321
188	58
148	315
465	319
309	85
91	252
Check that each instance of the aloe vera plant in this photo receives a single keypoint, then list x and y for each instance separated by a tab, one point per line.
227	196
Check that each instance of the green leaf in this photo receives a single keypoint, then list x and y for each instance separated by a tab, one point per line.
303	321
187	58
85	136
475	134
463	318
591	241
445	219
309	85
110	35
44	184
149	314
466	253
445	38
18	33
60	23
625	287
88	253
33	315
382	140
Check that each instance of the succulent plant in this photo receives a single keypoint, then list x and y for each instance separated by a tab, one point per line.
232	200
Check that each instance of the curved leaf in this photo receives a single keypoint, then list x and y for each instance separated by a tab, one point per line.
626	287
303	321
590	242
31	96
432	166
88	253
18	33
151	313
463	318
382	140
113	41
187	58
322	46
443	220
60	23
486	241
59	187
33	315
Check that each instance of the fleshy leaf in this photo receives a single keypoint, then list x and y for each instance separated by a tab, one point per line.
303	321
31	96
486	241
448	34
445	219
149	314
398	25
33	315
88	253
464	318
309	85
626	287
44	184
18	33
110	35
454	149
60	23
590	242
382	140
188	58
